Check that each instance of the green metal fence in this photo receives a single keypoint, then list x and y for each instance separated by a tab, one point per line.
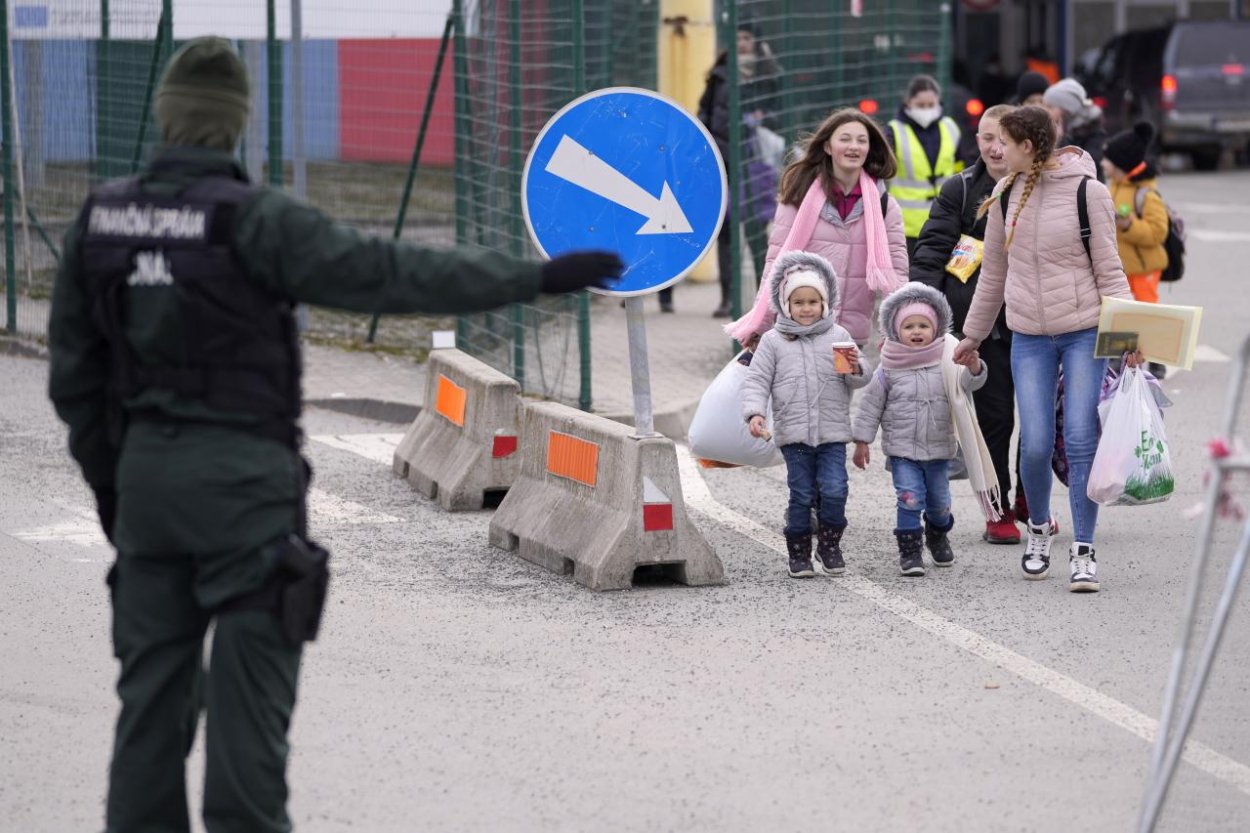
506	66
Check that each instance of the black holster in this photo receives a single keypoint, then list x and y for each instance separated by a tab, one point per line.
295	592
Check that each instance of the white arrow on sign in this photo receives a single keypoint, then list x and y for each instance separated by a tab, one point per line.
576	164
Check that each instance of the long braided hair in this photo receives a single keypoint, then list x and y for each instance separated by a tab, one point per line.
1031	123
815	162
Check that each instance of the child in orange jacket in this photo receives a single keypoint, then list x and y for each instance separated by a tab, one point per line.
1141	217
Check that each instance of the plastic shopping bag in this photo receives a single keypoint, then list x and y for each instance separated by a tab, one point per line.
719	433
1132	465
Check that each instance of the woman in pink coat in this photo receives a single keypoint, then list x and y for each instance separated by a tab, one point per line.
833	203
1053	286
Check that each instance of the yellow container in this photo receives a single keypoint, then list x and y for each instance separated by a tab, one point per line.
686	51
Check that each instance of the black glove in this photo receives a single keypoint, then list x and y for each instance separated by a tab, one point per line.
106	508
578	270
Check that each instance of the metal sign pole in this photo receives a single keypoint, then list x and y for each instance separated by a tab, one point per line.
639	368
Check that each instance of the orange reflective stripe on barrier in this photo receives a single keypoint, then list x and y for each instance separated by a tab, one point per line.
450	400
568	456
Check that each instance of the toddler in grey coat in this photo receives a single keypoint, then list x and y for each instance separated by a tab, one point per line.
794	364
907	397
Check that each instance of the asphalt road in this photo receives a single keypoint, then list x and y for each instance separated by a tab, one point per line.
456	687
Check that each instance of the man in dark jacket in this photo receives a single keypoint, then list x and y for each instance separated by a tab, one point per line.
175	363
954	214
759	76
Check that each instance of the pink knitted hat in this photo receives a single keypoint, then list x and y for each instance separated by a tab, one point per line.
914	308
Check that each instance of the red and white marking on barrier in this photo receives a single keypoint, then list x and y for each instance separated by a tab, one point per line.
657	509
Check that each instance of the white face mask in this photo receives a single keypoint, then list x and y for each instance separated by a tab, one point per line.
924	116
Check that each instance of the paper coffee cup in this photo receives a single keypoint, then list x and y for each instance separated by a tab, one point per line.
844	354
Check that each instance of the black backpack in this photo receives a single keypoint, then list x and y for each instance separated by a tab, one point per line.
1082	214
1174	243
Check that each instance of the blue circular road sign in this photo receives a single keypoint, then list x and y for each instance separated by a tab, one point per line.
626	170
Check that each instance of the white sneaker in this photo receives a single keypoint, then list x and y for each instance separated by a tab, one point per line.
1036	559
1084	569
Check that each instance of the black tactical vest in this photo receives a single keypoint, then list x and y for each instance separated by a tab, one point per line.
235	347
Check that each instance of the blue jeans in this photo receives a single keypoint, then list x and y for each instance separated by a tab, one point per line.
922	486
811	470
1035	363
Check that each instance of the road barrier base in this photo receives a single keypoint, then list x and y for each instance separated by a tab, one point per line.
461	450
597	503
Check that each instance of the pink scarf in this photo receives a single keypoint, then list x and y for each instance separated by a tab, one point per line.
880	269
895	355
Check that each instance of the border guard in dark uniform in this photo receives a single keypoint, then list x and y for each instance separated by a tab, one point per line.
175	362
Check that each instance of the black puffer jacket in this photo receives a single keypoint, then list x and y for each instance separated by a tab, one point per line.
1091	138
758	93
954	213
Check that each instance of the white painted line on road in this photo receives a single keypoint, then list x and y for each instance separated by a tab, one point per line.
378	447
332	510
699	497
81	532
1205	353
1234	773
1215	236
1188	208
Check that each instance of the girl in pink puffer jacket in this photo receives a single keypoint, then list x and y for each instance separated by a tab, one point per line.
1036	262
833	203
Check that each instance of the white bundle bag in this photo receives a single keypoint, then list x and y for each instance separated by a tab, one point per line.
719	433
1133	465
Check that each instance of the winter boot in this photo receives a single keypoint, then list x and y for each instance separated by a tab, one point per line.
799	548
1036	559
939	545
829	549
1083	568
1003	530
910	552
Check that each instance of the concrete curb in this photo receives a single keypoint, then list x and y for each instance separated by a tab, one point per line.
379	410
18	346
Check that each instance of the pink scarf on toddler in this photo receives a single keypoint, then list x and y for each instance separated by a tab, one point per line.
880	269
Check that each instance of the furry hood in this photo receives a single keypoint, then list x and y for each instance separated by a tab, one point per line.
805	260
909	293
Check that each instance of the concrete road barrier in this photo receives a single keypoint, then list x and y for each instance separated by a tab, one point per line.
461	450
594	501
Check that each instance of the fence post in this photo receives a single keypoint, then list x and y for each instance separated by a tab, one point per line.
103	169
944	46
460	84
276	175
583	297
515	163
6	104
416	151
734	163
160	46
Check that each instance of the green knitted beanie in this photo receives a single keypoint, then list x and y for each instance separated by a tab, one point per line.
203	97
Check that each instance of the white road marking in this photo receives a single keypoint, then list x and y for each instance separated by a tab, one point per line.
332	510
699	497
1216	236
1234	773
1204	353
80	532
378	447
1188	208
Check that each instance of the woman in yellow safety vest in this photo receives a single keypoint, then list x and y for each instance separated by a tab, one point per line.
925	143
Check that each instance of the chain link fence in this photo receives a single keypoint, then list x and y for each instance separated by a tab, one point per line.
414	120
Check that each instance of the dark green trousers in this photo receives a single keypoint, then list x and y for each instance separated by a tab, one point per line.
247	691
193	502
